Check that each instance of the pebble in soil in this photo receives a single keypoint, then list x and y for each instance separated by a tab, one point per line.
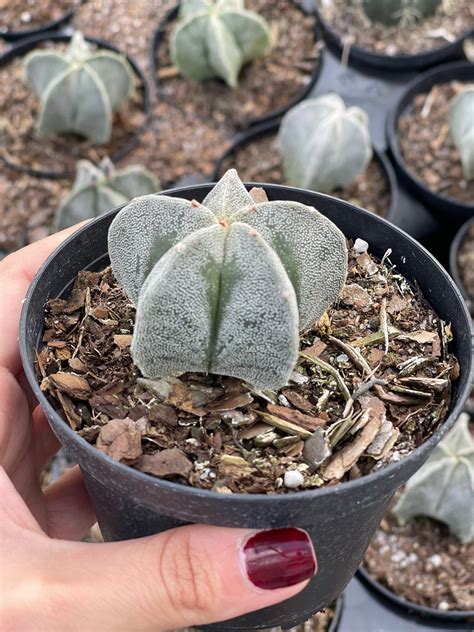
372	383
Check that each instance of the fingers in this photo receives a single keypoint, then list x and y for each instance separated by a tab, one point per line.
188	576
68	508
44	441
16	273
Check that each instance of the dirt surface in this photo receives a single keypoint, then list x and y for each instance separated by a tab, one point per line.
466	266
259	161
264	84
423	563
408	38
331	423
426	144
22	16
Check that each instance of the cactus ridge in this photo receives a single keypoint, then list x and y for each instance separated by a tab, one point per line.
79	90
215	38
461	127
323	144
226	285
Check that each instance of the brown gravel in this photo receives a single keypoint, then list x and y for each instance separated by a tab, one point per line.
431	33
22	16
423	563
264	85
259	161
426	145
466	266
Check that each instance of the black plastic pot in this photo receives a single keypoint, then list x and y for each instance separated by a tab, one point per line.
157	40
341	520
271	129
23	47
409	606
10	35
453	257
444	207
392	63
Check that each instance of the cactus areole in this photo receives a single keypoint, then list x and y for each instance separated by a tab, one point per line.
225	286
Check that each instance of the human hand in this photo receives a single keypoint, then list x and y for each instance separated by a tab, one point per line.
188	576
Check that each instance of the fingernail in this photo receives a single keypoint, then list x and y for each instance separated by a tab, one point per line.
279	558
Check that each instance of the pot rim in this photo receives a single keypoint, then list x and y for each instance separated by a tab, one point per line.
453	256
408	62
410	606
52	25
25	45
271	127
419	84
243	124
184	490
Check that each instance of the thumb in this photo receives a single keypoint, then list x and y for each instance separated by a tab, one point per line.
188	576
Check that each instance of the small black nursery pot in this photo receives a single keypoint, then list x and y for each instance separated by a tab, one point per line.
392	64
245	123
341	520
453	256
24	47
447	208
13	35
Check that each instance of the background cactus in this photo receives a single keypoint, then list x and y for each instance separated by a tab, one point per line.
323	144
96	190
215	38
224	286
461	127
395	11
443	488
79	89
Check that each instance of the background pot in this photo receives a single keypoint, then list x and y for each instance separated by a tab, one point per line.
453	257
341	520
157	41
394	63
10	35
23	47
429	613
440	205
271	129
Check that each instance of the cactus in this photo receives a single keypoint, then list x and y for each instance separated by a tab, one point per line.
323	144
215	38
461	127
79	89
226	285
443	488
96	190
399	11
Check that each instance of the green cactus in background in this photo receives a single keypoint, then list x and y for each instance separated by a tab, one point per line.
215	38
79	89
443	488
323	144
96	190
461	127
398	11
226	285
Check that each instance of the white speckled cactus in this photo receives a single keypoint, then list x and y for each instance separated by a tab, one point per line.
226	285
398	11
443	488
96	190
323	144
79	89
461	127
215	38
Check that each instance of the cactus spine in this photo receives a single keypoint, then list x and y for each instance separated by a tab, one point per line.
461	127
226	285
215	38
80	90
399	11
323	144
96	190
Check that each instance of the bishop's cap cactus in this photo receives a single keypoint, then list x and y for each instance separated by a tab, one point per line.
80	90
461	127
399	11
226	285
96	190
323	144
443	488
215	38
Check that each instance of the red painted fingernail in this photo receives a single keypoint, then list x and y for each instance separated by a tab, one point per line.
279	558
